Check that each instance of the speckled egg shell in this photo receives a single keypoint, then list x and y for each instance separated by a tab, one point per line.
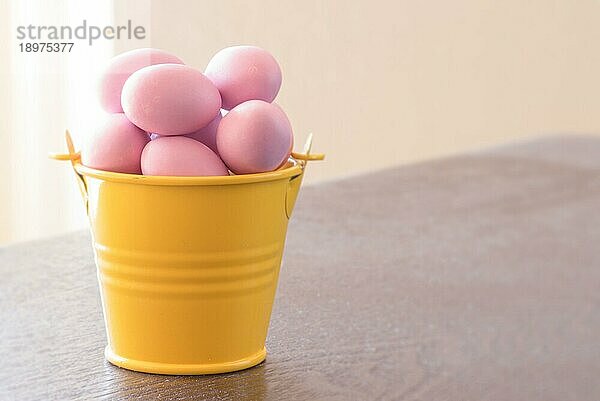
121	67
180	156
254	137
244	73
116	146
170	99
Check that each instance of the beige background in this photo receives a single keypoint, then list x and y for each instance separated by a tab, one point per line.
378	83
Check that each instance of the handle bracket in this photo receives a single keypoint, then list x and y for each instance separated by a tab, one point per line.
295	182
306	156
75	158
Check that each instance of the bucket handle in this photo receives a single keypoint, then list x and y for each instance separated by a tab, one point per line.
306	156
290	196
295	182
75	158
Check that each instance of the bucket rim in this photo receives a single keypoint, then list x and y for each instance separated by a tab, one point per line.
292	169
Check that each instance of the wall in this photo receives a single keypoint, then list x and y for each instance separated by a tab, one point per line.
385	82
379	83
41	94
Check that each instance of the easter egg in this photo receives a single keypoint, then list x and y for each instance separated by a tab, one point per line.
121	67
116	146
180	156
208	134
244	73
254	137
170	99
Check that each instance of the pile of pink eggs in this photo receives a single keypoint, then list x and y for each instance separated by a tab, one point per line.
167	118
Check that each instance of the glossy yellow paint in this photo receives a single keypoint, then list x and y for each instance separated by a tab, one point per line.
188	266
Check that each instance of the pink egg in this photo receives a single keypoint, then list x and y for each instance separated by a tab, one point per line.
208	134
116	146
287	158
121	67
180	156
244	73
170	99
254	137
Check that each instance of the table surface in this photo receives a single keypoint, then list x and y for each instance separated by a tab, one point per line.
474	277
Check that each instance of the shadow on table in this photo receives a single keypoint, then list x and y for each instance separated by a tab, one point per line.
249	384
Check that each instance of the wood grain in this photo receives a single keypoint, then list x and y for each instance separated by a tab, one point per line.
475	277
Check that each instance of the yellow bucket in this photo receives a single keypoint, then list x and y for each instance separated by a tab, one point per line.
188	266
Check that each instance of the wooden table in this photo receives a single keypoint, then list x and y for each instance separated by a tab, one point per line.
475	277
